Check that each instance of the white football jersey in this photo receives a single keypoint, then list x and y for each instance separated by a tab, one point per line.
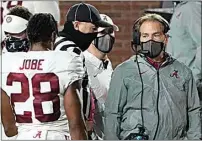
36	81
63	44
33	6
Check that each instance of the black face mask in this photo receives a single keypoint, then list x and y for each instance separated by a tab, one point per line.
14	44
82	40
151	48
104	43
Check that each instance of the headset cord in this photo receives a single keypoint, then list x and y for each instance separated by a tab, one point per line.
157	105
141	108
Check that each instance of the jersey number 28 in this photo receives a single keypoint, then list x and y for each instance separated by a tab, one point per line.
39	97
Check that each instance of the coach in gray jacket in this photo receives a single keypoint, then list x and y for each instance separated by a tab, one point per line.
151	95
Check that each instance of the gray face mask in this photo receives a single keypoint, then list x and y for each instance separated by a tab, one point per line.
104	43
151	48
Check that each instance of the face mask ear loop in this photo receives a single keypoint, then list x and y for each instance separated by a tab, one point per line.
95	42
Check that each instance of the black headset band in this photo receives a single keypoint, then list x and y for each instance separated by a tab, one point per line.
160	19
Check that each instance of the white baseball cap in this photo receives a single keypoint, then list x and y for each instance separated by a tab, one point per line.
107	19
14	24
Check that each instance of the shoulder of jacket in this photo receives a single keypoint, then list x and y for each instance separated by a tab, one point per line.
63	44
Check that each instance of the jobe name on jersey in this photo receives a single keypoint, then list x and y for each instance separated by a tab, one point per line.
33	64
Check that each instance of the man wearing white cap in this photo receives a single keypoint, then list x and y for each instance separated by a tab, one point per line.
99	70
15	37
51	7
14	27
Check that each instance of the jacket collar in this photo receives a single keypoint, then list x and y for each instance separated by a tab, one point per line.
142	59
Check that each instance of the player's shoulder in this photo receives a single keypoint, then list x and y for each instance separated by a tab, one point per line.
62	58
64	61
52	56
64	44
71	53
63	41
12	56
10	60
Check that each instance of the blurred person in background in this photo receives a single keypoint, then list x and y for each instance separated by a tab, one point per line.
184	42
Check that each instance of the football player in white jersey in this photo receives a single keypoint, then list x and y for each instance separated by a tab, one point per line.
42	92
14	26
51	7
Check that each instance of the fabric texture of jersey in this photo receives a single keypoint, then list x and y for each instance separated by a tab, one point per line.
63	44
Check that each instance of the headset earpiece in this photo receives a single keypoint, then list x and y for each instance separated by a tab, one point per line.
136	37
166	25
136	33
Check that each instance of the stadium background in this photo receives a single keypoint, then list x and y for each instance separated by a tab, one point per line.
123	13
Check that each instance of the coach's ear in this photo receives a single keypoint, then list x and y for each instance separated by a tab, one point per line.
76	25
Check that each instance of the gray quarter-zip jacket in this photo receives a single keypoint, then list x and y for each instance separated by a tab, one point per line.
178	103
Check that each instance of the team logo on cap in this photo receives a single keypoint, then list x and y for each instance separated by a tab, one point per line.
105	18
8	19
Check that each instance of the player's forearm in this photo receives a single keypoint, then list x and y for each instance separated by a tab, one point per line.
78	132
11	131
7	116
10	128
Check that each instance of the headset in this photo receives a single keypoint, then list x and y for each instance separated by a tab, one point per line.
136	42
